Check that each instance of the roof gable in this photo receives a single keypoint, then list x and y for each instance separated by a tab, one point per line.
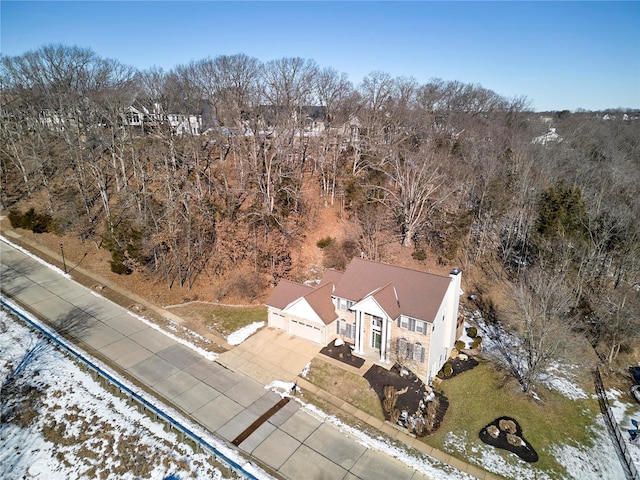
320	301
286	292
301	308
387	299
417	294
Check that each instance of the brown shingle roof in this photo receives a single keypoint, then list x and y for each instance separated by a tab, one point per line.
320	301
286	292
386	298
331	276
419	293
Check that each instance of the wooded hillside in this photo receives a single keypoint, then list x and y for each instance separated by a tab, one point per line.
448	171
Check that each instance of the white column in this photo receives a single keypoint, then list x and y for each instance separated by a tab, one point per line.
383	340
358	339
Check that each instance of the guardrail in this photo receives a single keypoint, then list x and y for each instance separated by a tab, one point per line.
612	424
99	372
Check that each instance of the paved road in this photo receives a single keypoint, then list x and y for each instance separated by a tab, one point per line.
289	440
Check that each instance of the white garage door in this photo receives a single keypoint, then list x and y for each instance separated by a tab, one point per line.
310	332
277	320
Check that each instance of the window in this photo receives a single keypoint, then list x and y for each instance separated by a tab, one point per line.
346	329
402	348
376	321
344	304
410	351
413	325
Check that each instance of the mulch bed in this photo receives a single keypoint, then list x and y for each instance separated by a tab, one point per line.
379	377
460	366
526	452
342	354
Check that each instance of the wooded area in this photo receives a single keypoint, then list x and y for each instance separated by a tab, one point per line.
447	170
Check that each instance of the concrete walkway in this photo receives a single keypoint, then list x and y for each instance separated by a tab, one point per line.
290	442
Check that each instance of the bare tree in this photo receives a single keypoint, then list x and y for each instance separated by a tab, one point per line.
416	188
541	315
287	86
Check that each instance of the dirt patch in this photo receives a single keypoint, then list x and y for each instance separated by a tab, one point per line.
415	402
343	353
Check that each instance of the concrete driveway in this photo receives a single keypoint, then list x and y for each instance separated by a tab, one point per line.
270	354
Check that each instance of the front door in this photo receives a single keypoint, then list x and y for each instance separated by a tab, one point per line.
376	332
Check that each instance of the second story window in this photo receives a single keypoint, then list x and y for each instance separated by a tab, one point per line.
413	325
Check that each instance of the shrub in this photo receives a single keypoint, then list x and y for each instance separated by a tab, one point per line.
338	255
30	220
117	263
460	345
476	342
324	242
15	217
419	254
447	370
472	332
508	426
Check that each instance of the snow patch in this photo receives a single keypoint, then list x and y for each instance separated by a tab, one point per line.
239	336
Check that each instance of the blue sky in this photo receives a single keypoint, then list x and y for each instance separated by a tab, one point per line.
561	55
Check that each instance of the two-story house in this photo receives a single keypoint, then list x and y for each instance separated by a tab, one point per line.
388	313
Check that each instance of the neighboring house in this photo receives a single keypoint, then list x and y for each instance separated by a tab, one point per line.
388	313
550	137
180	124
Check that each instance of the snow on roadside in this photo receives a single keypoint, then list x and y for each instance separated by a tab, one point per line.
106	422
239	336
423	463
624	412
95	431
173	326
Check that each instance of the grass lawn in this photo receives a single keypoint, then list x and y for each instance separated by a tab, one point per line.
479	396
223	319
476	398
348	386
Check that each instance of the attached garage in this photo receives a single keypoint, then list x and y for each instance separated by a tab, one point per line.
303	311
306	331
277	319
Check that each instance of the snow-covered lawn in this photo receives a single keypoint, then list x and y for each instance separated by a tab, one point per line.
75	429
